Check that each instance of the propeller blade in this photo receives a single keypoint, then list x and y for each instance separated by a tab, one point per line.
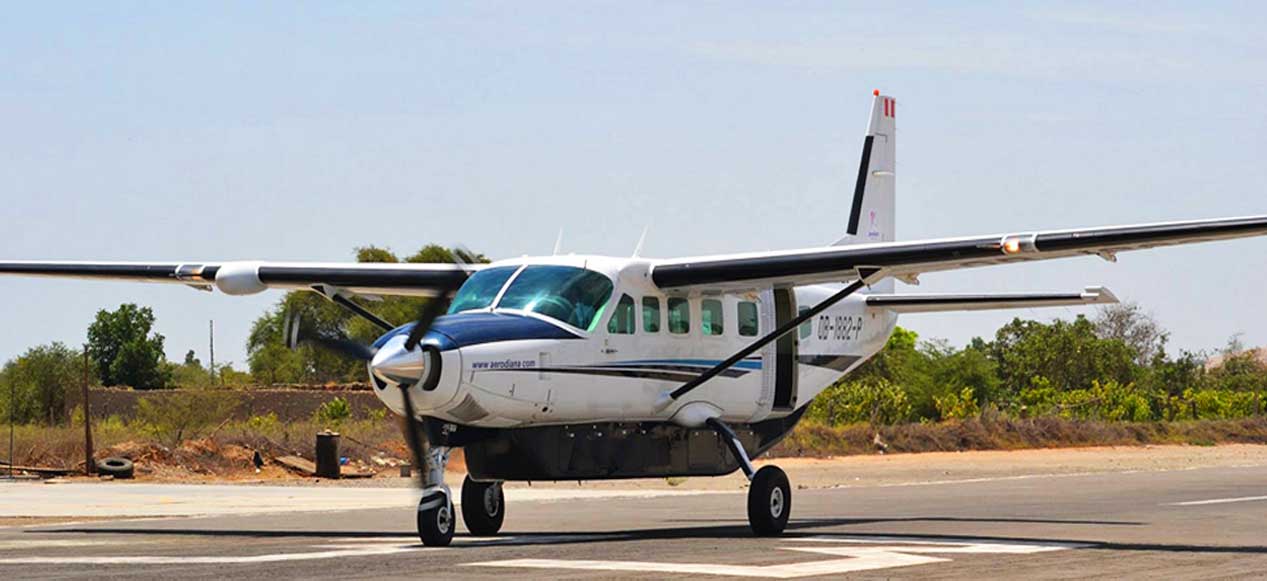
294	336
415	437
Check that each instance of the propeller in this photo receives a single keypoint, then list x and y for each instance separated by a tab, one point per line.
415	432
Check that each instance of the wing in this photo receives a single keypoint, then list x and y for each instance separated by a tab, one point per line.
946	303
244	278
909	259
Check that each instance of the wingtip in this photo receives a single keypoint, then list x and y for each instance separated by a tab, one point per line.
1099	295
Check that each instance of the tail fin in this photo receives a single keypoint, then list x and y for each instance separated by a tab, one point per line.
871	217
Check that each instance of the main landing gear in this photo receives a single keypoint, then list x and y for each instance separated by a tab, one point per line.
483	504
769	494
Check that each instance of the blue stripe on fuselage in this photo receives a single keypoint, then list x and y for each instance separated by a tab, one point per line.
754	363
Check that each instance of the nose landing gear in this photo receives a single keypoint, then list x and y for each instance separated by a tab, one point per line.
436	519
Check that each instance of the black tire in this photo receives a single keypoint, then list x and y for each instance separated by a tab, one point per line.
769	502
436	522
483	506
121	468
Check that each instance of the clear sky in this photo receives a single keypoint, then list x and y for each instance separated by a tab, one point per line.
208	131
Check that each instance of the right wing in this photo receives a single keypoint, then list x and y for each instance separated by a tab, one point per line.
909	259
250	277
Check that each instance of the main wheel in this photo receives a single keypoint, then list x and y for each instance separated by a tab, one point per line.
483	506
769	501
435	520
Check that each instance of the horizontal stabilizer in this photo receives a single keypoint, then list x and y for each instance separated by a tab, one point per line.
942	303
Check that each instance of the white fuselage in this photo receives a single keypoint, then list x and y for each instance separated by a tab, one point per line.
618	370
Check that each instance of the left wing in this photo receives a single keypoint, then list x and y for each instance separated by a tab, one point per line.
250	277
909	259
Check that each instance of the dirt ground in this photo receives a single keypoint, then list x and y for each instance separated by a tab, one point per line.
869	470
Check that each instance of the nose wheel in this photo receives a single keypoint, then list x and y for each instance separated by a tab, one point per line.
483	506
436	519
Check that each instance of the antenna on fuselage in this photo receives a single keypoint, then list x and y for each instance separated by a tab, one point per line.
641	240
558	243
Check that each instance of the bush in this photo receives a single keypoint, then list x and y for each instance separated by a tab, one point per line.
184	413
874	400
334	412
958	406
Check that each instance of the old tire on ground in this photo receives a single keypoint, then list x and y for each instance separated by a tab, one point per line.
483	506
116	467
436	520
769	501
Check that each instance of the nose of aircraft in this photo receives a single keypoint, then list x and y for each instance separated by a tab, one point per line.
394	363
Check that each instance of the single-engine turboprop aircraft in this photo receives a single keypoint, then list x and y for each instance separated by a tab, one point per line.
599	367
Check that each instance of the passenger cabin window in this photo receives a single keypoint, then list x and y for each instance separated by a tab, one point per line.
651	314
479	291
622	321
572	295
807	327
711	317
679	316
747	319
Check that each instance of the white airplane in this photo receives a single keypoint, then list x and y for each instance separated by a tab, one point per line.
600	367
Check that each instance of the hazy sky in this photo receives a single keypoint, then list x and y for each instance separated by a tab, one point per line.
211	131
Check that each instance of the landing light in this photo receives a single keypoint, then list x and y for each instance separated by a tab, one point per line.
1012	246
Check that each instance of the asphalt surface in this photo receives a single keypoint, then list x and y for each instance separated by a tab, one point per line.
1198	523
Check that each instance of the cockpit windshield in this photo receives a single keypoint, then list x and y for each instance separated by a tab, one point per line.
572	295
479	291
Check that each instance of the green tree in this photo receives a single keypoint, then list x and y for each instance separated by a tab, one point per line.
40	378
1068	354
125	351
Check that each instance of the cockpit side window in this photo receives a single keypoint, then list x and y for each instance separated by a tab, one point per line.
572	295
479	291
622	321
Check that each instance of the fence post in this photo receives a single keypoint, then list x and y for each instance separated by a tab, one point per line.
90	465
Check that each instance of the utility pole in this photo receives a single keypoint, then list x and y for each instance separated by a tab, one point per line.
212	349
90	466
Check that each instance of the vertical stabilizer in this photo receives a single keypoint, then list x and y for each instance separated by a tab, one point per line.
871	216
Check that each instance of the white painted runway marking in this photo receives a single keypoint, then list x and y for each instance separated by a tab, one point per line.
46	543
1216	501
898	552
339	548
336	552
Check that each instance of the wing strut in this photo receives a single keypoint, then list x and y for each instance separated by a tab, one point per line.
866	276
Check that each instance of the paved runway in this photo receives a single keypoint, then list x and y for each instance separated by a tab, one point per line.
1199	523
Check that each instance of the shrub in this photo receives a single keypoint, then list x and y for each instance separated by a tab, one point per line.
181	414
334	411
957	406
875	400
